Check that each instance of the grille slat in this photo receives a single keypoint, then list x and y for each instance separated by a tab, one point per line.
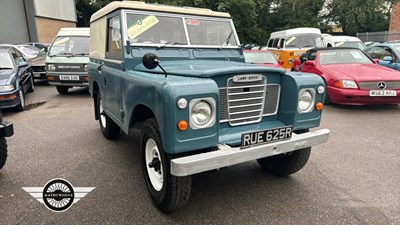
246	102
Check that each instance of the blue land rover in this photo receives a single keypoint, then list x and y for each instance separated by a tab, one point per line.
178	74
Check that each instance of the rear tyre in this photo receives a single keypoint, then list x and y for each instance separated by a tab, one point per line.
62	89
288	163
3	151
108	127
168	192
21	105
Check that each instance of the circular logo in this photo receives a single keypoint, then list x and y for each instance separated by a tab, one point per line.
58	195
381	85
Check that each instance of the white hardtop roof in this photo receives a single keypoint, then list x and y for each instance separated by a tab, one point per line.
344	38
300	30
155	7
74	31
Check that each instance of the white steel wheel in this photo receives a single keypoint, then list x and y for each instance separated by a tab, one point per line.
154	164
103	120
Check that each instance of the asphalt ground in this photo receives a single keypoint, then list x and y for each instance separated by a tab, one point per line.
352	179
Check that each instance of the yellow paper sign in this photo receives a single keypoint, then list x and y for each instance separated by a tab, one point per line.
141	25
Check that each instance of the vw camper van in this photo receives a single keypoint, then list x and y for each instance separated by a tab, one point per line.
288	45
67	58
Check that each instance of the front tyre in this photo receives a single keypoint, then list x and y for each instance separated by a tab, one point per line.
287	163
168	192
32	87
21	106
108	127
3	151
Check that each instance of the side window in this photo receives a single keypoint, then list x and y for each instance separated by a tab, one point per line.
269	45
311	55
275	44
114	40
380	52
281	43
18	58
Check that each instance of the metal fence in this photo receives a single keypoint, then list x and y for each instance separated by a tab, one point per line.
382	36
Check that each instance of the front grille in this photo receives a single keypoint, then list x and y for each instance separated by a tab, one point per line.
372	85
246	102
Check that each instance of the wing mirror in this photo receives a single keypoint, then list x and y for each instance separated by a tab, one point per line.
151	61
388	58
22	64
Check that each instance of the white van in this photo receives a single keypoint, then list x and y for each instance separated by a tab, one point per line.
342	41
67	58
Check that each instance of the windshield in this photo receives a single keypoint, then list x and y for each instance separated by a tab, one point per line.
353	44
28	50
260	58
6	61
169	30
343	56
304	41
73	45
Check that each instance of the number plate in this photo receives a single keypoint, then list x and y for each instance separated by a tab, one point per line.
382	93
266	136
69	77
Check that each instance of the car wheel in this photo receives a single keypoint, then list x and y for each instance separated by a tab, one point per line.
327	100
288	163
62	89
3	151
168	192
108	127
21	105
32	87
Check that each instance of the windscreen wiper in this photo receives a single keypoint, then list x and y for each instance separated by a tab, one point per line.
227	39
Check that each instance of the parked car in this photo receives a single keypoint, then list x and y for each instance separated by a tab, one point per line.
387	53
36	59
15	78
6	130
288	45
39	45
199	106
262	58
67	58
352	77
343	41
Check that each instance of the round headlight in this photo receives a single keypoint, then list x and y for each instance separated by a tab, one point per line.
201	113
182	103
305	101
321	89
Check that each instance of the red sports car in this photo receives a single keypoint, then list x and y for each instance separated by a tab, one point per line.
351	76
262	58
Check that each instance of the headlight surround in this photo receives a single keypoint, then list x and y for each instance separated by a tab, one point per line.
85	66
6	88
51	67
306	100
202	113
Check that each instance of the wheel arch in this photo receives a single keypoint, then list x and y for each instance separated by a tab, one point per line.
140	114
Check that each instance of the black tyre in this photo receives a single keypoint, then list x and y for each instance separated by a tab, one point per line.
3	151
108	127
21	105
327	100
288	163
62	89
32	87
168	192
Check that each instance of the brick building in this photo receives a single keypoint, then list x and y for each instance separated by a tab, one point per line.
395	19
24	21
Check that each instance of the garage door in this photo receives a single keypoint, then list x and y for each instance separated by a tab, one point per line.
13	28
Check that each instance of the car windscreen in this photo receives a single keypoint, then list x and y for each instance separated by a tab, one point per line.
70	45
6	61
171	30
352	44
304	41
343	56
260	58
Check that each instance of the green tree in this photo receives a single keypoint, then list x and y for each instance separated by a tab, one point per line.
360	15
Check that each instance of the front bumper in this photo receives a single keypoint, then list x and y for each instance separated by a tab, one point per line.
360	97
227	156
